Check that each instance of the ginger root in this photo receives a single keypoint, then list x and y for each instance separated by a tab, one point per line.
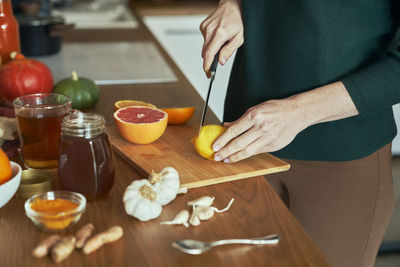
83	234
63	248
42	249
108	236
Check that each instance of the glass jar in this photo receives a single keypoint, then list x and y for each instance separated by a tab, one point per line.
85	163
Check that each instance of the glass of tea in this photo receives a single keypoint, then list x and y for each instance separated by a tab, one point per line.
39	119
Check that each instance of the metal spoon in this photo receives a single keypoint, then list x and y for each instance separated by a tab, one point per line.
195	247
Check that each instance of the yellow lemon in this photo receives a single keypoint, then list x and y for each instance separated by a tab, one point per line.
203	142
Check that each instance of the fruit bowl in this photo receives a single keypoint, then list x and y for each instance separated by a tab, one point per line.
54	221
8	189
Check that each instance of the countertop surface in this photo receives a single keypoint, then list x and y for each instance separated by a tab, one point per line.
257	211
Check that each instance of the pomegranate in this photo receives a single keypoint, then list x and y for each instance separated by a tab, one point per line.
23	76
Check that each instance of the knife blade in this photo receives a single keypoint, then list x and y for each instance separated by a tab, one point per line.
213	70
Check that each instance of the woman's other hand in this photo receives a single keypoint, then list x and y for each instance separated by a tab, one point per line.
272	125
223	25
266	127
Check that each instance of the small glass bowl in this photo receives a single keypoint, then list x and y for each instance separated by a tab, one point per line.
50	221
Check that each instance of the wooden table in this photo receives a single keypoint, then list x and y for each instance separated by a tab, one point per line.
257	210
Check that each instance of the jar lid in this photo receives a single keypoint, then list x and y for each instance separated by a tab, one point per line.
25	20
86	125
35	181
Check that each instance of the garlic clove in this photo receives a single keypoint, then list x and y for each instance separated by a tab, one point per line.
181	218
204	212
194	218
224	209
202	201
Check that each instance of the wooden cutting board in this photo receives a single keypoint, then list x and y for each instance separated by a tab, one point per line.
175	149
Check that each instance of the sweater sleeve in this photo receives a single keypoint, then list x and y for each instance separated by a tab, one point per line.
377	86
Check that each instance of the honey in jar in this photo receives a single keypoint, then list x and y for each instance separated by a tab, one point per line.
85	163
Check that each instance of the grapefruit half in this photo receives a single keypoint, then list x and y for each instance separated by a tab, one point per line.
128	103
178	116
140	125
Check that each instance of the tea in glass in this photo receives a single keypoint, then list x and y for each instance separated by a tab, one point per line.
39	119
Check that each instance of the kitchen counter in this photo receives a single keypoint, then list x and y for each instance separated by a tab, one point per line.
257	211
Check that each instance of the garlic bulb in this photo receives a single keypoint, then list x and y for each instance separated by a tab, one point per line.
144	198
166	184
140	200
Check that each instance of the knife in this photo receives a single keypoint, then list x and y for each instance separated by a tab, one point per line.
213	70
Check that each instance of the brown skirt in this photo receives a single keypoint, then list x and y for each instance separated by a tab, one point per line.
344	206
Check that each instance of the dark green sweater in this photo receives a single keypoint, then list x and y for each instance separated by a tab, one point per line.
292	46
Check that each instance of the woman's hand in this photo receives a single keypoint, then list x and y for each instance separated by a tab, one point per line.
272	125
223	25
266	127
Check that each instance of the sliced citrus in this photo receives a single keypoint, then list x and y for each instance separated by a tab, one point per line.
5	168
140	125
179	115
204	141
129	103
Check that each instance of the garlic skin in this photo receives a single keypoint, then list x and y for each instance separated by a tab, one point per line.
181	218
224	209
166	184
140	200
202	201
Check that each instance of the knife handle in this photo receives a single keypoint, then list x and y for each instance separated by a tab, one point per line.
215	63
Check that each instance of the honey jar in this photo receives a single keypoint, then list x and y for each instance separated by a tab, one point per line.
85	163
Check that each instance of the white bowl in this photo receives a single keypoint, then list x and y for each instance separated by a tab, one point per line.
8	189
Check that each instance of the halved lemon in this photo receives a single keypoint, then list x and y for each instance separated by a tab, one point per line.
204	141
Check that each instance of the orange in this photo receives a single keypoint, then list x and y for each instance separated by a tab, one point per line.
140	125
204	141
179	115
5	168
128	103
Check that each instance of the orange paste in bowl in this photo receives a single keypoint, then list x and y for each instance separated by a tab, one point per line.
49	206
